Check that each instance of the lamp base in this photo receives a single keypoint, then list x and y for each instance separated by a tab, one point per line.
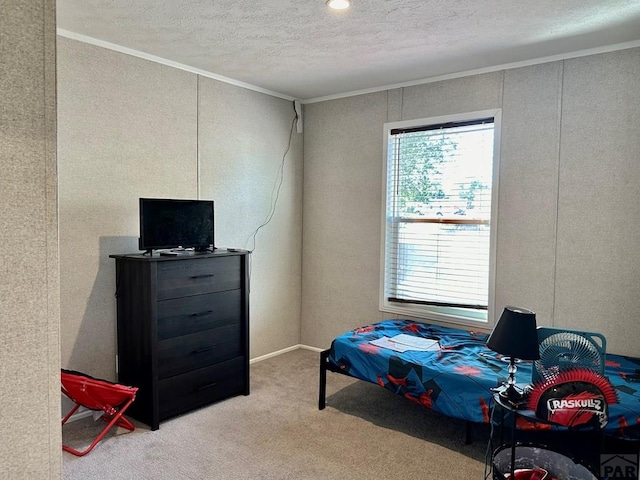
512	395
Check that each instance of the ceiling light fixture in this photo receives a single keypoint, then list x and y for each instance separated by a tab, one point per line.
338	4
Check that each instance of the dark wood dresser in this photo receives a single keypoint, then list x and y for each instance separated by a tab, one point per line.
183	330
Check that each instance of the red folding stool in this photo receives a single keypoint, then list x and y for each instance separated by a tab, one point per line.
95	394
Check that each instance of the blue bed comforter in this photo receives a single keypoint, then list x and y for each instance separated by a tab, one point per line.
455	379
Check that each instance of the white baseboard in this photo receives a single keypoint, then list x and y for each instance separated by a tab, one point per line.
313	349
274	354
285	350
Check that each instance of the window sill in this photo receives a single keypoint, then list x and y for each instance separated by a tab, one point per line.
455	318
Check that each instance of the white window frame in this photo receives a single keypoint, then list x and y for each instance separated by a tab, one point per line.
482	319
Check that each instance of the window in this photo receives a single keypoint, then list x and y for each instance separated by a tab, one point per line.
439	191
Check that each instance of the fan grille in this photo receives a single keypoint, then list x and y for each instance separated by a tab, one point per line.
563	350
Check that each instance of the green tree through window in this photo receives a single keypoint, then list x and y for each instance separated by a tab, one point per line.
419	162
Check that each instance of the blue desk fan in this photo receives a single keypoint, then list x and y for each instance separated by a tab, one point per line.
562	349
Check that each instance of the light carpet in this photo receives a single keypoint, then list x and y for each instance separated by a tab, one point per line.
277	432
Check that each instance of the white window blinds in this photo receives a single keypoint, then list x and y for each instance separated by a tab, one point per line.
438	214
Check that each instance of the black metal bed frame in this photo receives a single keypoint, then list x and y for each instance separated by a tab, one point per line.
326	365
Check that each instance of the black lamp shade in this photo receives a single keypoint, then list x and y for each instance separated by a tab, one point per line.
515	335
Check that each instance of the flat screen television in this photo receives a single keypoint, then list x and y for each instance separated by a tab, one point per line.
173	223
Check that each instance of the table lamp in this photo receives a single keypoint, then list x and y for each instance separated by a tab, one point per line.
515	336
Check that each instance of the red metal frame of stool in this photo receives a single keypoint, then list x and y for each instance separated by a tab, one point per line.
82	395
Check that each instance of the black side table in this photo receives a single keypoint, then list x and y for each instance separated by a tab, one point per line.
506	406
518	411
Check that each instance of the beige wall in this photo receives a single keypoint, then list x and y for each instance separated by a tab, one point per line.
243	136
569	191
131	128
598	266
342	198
29	277
126	129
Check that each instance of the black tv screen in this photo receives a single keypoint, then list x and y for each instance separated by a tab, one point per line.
169	223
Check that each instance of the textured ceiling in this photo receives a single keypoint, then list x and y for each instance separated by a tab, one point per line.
301	49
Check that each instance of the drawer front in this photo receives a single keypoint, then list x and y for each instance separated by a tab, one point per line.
184	392
194	277
182	316
183	354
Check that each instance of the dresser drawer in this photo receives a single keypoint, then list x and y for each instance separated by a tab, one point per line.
182	316
184	392
198	276
190	352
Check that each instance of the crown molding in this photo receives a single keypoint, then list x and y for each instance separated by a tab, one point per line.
438	78
478	71
153	58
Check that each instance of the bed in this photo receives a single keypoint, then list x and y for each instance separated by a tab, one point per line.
455	377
